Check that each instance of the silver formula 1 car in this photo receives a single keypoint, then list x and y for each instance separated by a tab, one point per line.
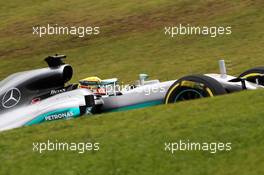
36	96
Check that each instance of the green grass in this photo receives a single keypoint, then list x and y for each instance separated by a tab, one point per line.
132	41
133	142
132	38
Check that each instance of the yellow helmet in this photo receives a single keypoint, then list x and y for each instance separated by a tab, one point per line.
90	82
91	79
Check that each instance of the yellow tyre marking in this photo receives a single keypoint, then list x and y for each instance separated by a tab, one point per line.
252	75
167	98
209	92
185	84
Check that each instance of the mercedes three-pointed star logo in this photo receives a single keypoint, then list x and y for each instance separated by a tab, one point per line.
11	98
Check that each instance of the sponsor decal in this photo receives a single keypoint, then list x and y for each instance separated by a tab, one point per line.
54	92
55	115
11	98
60	116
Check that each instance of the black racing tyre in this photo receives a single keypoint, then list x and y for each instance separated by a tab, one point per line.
251	75
193	87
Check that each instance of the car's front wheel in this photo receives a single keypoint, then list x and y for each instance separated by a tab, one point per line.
193	87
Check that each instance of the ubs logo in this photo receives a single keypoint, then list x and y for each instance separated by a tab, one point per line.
11	98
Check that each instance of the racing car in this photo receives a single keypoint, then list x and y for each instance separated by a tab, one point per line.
36	96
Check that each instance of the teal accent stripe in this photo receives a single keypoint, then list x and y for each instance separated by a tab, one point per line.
74	112
136	106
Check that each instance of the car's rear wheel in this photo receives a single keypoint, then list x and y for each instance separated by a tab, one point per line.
193	87
254	75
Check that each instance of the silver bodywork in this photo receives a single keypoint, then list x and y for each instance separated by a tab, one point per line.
225	81
22	115
153	92
18	78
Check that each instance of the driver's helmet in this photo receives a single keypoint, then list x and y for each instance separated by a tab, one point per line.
94	84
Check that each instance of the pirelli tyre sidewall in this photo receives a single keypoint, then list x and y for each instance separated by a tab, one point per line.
193	87
252	73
